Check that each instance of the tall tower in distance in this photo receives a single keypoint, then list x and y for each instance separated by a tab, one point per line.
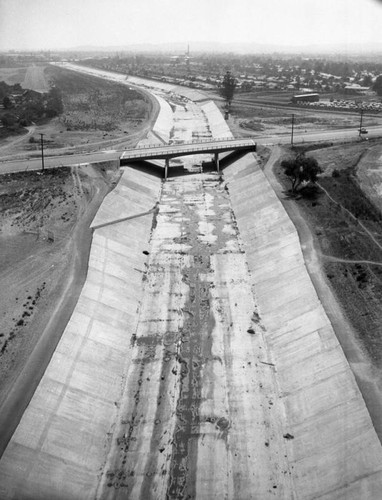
187	58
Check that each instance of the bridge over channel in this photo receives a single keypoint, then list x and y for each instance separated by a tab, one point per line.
168	151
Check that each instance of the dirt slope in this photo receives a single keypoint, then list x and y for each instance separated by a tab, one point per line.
44	244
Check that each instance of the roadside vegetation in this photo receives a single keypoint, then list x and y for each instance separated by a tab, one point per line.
227	89
21	107
302	171
347	227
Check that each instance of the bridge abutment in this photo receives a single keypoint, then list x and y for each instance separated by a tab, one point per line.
217	162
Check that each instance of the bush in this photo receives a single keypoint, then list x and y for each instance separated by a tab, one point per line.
301	170
9	120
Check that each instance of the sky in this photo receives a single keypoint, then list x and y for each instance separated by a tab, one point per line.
60	24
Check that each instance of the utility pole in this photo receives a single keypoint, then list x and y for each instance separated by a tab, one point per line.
42	151
360	123
291	140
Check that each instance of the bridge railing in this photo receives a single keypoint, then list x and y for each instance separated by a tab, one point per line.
209	146
185	143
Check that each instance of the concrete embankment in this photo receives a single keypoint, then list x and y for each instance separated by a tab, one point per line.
333	449
219	127
332	446
164	122
60	442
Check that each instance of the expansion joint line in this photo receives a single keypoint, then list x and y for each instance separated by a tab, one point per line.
130	217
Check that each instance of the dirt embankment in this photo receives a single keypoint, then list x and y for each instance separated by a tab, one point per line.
341	235
45	240
348	230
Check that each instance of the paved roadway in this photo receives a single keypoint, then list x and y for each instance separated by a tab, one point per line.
6	166
57	161
189	148
346	134
76	159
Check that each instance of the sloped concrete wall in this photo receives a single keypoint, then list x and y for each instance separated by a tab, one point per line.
218	126
165	120
56	451
335	451
135	194
333	446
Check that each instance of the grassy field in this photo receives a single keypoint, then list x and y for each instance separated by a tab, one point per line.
29	77
11	76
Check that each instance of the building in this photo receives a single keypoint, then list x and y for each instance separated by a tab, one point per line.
305	98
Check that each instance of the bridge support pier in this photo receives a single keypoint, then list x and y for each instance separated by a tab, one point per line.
217	162
167	164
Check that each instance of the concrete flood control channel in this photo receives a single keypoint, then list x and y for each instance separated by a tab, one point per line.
183	429
199	362
197	370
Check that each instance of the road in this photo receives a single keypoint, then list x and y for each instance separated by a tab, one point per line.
339	135
34	163
345	134
29	164
16	140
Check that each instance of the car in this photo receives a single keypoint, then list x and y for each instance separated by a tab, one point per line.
363	131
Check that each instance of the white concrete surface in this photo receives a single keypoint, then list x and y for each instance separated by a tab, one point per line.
218	126
135	194
192	346
60	442
62	439
164	122
335	452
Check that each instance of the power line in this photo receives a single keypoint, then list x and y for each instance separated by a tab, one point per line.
42	150
291	140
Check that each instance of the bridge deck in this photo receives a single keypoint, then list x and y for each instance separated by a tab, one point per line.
187	148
